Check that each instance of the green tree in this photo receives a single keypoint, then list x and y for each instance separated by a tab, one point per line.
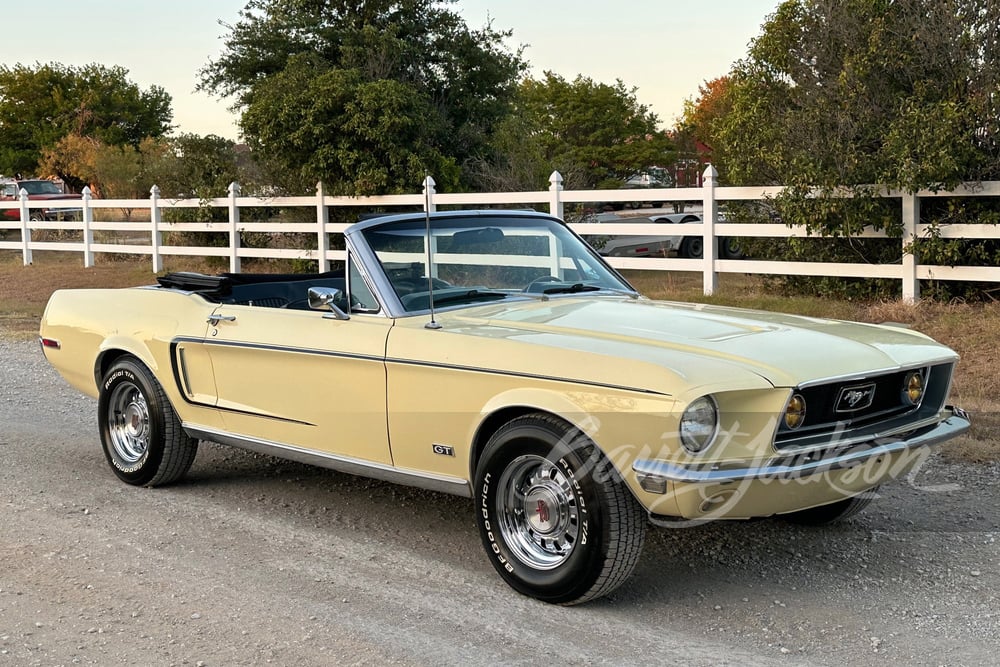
843	94
193	165
366	96
188	165
594	134
40	105
851	92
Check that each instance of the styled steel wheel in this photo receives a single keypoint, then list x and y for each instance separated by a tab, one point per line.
128	423
538	512
555	517
141	435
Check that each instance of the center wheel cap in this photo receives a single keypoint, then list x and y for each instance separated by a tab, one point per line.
134	421
542	509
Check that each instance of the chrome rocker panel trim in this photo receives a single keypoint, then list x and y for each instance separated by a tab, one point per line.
955	425
432	482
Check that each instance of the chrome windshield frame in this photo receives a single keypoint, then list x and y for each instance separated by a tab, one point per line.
371	266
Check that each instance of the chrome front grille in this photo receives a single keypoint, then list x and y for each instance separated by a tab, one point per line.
840	410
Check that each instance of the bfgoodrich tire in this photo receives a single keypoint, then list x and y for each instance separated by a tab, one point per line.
142	437
555	518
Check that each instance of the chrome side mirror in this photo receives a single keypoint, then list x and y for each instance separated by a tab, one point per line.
325	298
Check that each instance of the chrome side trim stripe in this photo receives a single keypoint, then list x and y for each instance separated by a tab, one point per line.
433	482
409	362
527	376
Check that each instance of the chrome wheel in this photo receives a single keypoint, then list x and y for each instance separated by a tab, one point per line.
128	423
538	512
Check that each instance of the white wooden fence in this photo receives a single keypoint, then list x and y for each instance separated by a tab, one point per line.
909	271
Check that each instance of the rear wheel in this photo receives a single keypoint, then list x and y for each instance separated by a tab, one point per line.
729	248
557	521
141	435
692	247
838	511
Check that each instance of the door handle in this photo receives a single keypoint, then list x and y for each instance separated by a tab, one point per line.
214	319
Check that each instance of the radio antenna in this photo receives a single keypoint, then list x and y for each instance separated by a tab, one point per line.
428	184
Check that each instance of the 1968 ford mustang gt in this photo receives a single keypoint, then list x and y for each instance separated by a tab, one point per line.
495	355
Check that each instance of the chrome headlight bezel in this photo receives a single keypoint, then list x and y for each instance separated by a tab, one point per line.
699	424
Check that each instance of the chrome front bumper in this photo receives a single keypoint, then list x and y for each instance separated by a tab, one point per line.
653	474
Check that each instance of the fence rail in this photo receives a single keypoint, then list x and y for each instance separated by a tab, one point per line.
908	271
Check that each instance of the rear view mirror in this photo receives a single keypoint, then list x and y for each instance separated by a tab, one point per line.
325	298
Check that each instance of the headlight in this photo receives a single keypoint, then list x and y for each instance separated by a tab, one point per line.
795	412
699	424
913	387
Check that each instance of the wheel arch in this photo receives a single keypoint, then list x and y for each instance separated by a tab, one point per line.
114	349
518	403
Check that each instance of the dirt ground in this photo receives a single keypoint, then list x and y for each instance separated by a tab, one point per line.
253	560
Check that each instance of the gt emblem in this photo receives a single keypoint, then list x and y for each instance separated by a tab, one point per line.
443	450
856	398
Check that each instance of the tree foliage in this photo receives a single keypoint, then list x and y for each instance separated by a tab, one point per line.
366	96
594	134
849	92
837	95
187	165
700	114
41	105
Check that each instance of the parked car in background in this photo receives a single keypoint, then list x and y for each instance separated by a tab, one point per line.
38	189
495	355
691	247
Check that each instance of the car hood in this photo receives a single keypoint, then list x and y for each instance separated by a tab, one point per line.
54	197
697	340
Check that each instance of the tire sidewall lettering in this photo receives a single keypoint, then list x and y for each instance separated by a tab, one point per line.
117	377
121	373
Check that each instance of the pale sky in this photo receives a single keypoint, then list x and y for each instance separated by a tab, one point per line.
665	48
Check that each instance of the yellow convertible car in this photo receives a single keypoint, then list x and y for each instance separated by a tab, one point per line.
495	355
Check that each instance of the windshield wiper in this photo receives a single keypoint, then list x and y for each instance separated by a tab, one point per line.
571	289
576	288
471	295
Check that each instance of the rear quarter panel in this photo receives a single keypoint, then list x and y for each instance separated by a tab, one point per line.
89	324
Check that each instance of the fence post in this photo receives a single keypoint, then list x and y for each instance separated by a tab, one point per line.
710	216
234	232
155	218
911	217
25	229
88	232
322	220
555	194
429	193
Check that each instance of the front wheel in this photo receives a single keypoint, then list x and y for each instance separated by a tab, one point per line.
141	435
556	519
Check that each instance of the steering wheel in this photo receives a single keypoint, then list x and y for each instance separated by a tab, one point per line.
410	285
541	281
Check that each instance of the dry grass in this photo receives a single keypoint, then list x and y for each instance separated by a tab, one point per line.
973	330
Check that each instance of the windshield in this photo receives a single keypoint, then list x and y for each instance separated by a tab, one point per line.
40	187
477	259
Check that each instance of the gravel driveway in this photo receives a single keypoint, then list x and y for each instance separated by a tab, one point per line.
256	560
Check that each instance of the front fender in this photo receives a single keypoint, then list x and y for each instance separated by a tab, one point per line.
621	423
